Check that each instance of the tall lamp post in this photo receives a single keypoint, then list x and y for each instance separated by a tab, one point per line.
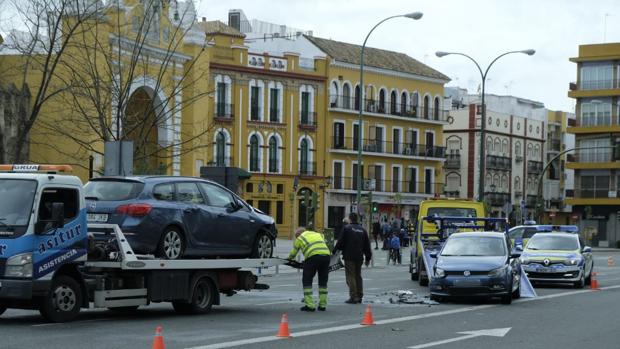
413	15
483	75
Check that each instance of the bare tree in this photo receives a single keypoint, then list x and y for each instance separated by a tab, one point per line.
30	60
146	42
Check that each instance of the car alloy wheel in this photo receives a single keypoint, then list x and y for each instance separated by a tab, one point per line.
264	246
172	244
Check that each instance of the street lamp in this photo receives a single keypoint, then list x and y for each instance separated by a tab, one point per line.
483	75
412	15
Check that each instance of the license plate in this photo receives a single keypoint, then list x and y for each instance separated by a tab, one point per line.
545	270
97	217
467	282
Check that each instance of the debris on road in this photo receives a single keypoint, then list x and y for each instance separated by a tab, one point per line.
403	297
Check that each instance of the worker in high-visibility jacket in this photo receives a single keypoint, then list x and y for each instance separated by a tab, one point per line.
316	259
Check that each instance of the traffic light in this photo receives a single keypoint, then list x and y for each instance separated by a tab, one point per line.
375	207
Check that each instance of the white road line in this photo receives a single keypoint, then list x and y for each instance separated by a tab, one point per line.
388	321
272	303
76	323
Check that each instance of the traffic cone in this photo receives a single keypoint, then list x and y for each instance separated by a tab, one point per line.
283	331
611	262
368	320
158	341
594	282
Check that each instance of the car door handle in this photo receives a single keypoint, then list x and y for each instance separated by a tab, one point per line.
190	209
220	215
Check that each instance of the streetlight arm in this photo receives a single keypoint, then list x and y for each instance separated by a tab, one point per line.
482	75
375	27
498	57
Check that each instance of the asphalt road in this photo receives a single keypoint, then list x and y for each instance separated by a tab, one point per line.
561	317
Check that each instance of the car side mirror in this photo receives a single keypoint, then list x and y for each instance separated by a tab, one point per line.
586	249
519	248
515	255
433	254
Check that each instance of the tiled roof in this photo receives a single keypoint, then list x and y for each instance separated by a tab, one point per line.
384	59
218	27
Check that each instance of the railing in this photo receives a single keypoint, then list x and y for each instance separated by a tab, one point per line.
224	110
396	109
598	155
254	165
220	161
453	161
384	147
390	186
595	193
307	168
518	158
497	199
534	167
595	84
572	122
518	193
554	145
255	113
598	119
499	163
531	200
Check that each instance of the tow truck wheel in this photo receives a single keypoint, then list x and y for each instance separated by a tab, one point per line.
203	296
63	301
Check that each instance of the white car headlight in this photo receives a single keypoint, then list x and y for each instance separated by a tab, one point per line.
497	272
524	260
572	261
19	266
439	273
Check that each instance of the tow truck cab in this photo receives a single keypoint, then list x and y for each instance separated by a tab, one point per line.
424	230
42	231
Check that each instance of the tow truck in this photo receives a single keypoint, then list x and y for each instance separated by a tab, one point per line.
53	261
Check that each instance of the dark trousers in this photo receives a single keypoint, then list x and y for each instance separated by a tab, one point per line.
313	265
353	272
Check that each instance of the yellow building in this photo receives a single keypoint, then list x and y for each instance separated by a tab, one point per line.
597	175
402	131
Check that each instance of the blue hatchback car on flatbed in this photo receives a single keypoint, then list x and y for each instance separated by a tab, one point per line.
476	264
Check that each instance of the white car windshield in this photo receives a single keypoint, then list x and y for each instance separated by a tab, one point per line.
549	241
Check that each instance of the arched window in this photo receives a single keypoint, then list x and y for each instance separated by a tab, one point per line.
403	103
529	150
273	155
333	94
536	153
254	154
346	96
505	147
304	165
436	108
382	101
220	149
393	103
497	148
518	148
504	183
488	181
517	183
357	97
415	103
489	145
426	106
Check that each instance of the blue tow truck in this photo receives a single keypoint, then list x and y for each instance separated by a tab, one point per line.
53	261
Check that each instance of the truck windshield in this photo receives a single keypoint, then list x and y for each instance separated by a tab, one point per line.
452	212
17	197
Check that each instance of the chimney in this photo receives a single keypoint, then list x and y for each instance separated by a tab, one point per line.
204	19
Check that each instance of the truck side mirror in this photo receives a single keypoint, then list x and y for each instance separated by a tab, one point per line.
58	214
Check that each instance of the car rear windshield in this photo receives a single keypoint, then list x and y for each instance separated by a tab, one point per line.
553	242
474	246
452	212
112	190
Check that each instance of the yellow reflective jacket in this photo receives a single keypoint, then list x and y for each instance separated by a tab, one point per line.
311	244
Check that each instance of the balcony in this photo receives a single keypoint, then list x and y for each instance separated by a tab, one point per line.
453	161
255	113
518	193
221	161
452	193
590	85
554	145
497	199
388	148
518	158
593	196
274	114
389	186
594	155
307	121
397	109
307	168
599	119
534	167
500	163
224	112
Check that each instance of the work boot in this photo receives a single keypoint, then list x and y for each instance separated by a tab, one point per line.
322	308
307	308
322	297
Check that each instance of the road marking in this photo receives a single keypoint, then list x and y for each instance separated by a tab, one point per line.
388	321
77	322
272	303
496	332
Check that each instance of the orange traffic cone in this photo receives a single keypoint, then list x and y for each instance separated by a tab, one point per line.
594	282
611	262
283	331
368	320
158	341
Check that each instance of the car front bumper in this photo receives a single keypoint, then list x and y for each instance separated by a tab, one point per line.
559	274
470	286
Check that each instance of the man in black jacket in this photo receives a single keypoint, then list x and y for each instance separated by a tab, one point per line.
355	245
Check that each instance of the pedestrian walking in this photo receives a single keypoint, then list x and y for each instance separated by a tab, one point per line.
316	260
395	249
345	221
386	230
376	232
355	247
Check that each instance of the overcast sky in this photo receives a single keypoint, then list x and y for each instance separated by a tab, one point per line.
481	28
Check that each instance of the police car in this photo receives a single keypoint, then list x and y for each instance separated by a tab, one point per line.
520	234
558	257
